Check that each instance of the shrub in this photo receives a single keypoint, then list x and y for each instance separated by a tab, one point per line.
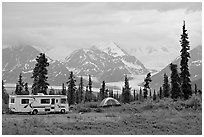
98	110
84	110
194	102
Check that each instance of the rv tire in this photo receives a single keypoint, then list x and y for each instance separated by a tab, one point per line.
35	112
63	111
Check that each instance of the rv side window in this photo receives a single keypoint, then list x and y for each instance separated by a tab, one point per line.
63	101
12	100
24	101
45	101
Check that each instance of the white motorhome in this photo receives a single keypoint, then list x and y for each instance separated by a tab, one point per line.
34	104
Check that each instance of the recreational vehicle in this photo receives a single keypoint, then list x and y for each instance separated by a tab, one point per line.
39	103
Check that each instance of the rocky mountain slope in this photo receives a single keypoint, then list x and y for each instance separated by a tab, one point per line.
22	59
195	67
106	61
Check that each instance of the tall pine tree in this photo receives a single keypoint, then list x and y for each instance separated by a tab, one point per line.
40	75
5	96
102	91
175	80
81	90
185	74
147	80
90	88
71	89
154	95
196	90
20	85
161	93
26	91
63	89
166	86
126	96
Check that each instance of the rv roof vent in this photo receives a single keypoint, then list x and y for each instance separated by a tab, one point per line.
40	94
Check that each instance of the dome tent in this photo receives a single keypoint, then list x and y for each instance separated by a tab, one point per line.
109	102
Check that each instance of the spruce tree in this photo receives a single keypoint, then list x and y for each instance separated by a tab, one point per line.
134	95
175	80
40	75
63	89
147	80
106	93
111	93
196	90
90	88
154	95
5	96
20	85
161	93
17	89
166	86
71	89
140	95
150	93
137	97
126	91
81	90
87	95
77	96
102	91
185	74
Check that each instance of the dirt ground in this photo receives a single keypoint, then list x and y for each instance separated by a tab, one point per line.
111	121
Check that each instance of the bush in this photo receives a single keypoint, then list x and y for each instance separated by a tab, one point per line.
194	102
98	110
84	110
91	105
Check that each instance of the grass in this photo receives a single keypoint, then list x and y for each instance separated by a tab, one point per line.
149	117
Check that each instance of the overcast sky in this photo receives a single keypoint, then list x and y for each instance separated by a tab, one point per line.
61	28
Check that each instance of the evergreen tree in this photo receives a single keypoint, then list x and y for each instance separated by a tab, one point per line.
20	85
87	95
111	93
5	96
102	91
90	87
17	89
126	91
71	89
185	74
150	93
137	97
166	86
140	95
77	96
196	90
81	90
106	93
154	95
134	95
40	75
161	93
175	80
147	80
63	89
26	91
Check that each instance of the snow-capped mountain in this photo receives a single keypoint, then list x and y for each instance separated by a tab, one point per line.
22	59
106	61
195	67
154	57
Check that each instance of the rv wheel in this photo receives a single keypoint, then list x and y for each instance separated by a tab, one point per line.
62	111
35	112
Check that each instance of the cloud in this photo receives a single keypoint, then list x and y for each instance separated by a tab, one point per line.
65	27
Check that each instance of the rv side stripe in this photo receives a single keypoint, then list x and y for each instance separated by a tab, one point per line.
40	106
